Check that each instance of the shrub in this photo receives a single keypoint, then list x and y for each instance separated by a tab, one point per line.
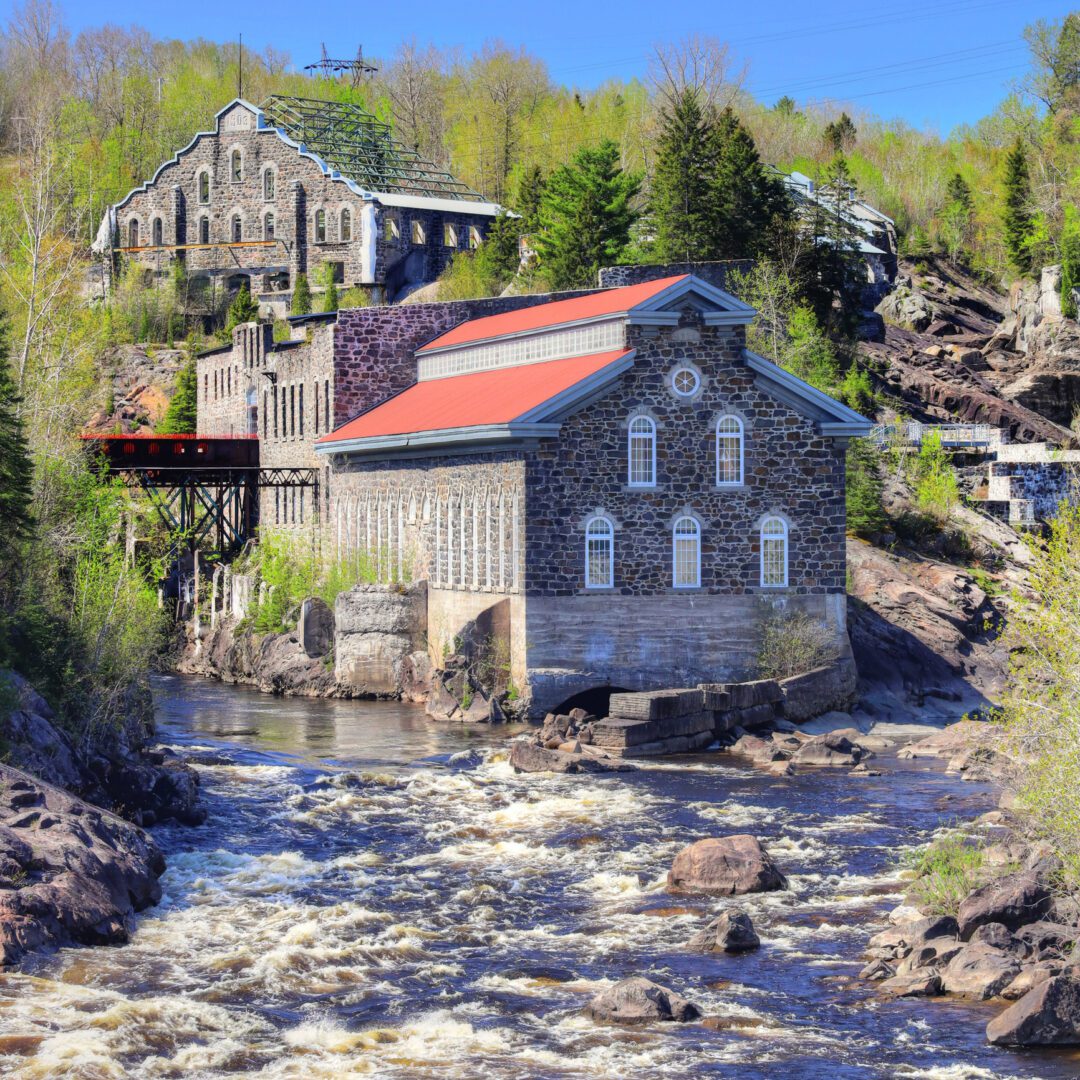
793	642
863	489
934	479
946	870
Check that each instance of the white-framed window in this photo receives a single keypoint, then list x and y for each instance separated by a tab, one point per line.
449	235
156	232
474	236
320	226
237	167
133	232
418	234
268	226
729	451
774	553
686	553
685	381
599	553
269	184
346	224
641	452
204	187
237	229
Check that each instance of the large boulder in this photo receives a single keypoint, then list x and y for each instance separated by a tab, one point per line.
640	1001
730	932
527	757
69	872
1013	901
906	308
979	971
728	865
1048	1015
832	750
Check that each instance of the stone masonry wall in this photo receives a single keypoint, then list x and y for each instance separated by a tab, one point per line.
790	470
715	273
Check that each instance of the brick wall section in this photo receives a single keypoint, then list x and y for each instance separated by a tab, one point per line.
715	273
789	469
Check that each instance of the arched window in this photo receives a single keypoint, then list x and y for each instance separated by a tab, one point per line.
237	166
268	183
346	224
599	554
237	229
320	226
774	553
641	452
268	227
686	554
729	450
155	232
133	232
204	187
204	230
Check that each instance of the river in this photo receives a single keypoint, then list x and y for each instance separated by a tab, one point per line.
363	903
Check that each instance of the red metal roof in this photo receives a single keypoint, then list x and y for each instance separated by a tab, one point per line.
473	400
594	305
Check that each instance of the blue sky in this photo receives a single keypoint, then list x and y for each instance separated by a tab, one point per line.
934	64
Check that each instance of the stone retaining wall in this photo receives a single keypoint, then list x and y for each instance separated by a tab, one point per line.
376	629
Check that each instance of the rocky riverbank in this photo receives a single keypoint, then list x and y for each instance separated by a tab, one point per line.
75	860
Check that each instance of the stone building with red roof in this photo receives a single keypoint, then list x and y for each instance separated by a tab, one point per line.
609	484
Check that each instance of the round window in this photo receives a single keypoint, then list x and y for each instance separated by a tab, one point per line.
685	381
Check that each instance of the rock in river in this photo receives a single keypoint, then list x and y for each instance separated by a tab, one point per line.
640	1001
729	865
529	758
1013	901
69	872
979	971
730	932
1049	1015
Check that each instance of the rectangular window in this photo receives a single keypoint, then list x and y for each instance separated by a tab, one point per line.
392	230
277	506
206	385
449	235
418	234
275	411
326	404
474	236
301	395
265	429
316	408
292	411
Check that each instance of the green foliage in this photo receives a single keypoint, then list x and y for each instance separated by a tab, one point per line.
1070	261
956	217
793	642
301	298
354	297
292	571
330	290
857	391
1041	704
946	871
243	309
863	489
934	479
1017	216
809	353
181	417
489	269
586	214
16	469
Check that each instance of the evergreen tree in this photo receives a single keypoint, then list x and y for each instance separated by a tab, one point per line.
785	106
16	468
301	298
749	202
181	416
956	216
527	198
330	290
864	488
684	182
586	216
499	256
809	354
1018	219
243	309
840	134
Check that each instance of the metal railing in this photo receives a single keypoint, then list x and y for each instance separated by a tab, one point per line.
913	433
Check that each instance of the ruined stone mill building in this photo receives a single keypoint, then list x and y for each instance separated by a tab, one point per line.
292	187
610	481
